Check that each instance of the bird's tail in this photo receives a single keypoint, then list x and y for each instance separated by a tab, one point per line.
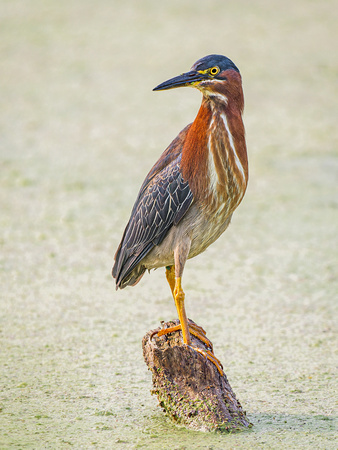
131	279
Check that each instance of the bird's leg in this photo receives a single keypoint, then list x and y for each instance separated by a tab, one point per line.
187	326
170	274
179	297
193	328
178	294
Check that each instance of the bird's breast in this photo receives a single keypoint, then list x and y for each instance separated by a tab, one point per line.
214	162
214	158
226	170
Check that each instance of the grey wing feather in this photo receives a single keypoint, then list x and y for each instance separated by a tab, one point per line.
162	202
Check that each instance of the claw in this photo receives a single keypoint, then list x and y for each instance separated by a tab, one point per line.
197	327
211	357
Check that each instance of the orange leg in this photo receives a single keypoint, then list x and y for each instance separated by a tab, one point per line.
185	325
170	274
179	297
193	328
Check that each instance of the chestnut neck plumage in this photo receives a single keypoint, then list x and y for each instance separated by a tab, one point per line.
214	157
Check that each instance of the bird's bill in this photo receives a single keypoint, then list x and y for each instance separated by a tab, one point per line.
186	79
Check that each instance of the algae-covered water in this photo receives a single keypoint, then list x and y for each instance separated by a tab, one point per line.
79	130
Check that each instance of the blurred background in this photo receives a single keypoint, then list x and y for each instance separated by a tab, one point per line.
79	129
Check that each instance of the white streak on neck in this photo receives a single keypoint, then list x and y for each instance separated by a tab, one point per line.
213	176
232	145
219	96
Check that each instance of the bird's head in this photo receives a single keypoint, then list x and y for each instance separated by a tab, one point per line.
214	75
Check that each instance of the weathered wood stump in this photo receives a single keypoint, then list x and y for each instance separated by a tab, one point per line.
188	386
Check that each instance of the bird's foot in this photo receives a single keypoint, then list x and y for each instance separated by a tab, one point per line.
194	329
211	357
198	328
198	332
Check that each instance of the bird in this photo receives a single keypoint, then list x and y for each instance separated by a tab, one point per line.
187	199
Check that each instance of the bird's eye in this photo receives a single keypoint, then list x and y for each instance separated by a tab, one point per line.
214	71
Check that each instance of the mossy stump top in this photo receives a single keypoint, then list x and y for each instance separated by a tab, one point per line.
189	387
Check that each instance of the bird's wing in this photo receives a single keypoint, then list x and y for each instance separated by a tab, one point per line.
163	200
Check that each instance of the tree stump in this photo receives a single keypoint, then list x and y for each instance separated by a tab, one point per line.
188	386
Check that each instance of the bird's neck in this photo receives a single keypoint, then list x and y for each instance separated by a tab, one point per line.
214	156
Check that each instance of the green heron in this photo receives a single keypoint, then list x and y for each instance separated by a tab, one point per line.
187	199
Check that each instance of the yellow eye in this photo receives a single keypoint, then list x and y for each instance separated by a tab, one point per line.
214	71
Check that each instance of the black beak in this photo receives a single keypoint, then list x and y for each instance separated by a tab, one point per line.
186	79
